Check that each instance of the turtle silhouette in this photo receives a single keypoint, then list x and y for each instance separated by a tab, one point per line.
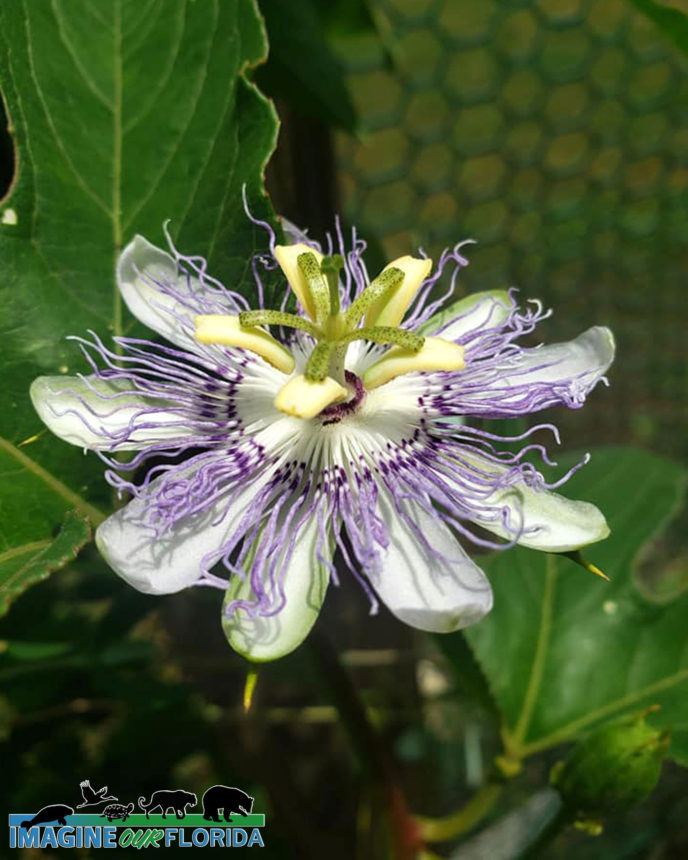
117	810
57	812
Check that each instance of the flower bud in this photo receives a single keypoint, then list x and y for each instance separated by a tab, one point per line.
615	767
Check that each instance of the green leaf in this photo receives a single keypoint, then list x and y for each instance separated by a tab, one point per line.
20	650
122	114
301	68
672	22
563	650
22	566
343	17
470	680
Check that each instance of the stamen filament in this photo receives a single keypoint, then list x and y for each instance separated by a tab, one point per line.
330	267
386	334
287	256
319	361
377	290
253	318
317	285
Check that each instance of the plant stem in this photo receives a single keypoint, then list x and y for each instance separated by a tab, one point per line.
557	821
464	819
369	747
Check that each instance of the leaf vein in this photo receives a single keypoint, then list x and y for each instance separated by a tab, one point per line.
9	554
69	47
164	76
86	508
57	138
174	150
538	664
572	728
231	88
8	584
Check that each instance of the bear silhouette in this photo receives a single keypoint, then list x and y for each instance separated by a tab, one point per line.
57	812
177	800
231	800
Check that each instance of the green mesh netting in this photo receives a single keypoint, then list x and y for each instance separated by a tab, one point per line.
556	134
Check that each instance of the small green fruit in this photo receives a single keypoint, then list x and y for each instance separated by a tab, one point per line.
615	767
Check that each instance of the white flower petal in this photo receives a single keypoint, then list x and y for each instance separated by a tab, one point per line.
304	580
140	269
474	313
174	560
103	414
550	522
440	593
578	363
157	565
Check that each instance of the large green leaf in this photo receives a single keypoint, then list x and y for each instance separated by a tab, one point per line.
302	68
672	22
123	113
21	566
562	649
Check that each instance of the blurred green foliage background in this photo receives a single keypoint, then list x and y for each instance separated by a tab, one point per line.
555	133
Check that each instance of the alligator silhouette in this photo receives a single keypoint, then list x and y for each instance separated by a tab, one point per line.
57	812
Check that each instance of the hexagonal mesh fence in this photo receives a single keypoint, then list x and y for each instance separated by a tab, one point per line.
556	134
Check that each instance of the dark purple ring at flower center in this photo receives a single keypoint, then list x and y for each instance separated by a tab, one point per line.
333	414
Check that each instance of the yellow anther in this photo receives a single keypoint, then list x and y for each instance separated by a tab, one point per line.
226	330
435	354
390	310
287	257
305	399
